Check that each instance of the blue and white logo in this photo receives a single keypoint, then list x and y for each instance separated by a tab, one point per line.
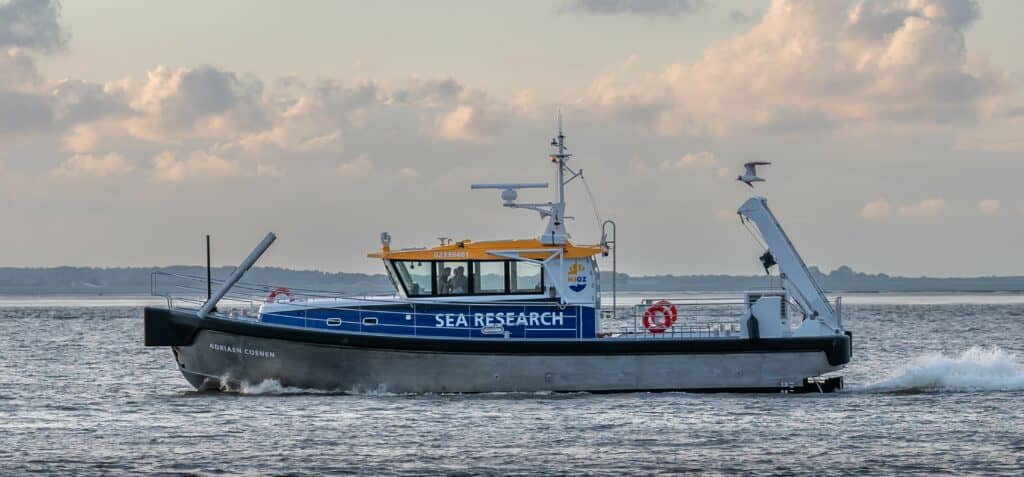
577	279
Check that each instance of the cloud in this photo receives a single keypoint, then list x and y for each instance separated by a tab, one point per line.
202	100
933	207
31	24
431	92
24	104
304	126
644	8
882	209
200	164
878	210
840	66
360	167
811	65
18	70
700	160
467	123
989	206
232	116
267	170
188	92
24	112
739	16
89	165
77	101
1000	134
28	102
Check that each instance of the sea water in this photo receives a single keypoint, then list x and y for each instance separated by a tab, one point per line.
936	386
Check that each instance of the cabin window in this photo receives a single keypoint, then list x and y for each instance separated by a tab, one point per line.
484	277
525	277
452	278
488	278
417	277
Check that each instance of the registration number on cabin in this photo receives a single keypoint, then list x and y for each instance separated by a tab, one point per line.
451	254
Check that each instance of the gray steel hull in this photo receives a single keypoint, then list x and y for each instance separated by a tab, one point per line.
223	360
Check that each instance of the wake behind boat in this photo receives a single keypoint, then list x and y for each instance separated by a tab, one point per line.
515	315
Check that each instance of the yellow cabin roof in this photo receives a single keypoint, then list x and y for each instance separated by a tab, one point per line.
468	250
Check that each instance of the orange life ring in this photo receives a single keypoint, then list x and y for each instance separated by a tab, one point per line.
280	291
667	313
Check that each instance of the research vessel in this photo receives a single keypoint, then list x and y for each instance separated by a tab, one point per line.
520	315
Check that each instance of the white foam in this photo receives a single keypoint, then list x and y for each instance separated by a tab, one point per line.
271	387
976	369
379	391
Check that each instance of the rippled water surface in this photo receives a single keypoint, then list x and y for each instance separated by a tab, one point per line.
936	386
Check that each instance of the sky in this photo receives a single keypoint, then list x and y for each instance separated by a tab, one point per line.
129	130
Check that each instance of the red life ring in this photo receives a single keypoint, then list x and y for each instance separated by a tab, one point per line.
667	313
280	291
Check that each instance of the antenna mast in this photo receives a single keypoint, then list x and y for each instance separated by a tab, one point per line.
561	157
555	234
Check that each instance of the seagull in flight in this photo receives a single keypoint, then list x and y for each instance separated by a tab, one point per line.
750	173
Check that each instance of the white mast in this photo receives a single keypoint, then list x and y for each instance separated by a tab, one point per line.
559	142
555	233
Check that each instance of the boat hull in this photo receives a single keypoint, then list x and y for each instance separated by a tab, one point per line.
238	353
219	360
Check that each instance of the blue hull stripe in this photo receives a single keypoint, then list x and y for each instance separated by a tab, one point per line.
462	321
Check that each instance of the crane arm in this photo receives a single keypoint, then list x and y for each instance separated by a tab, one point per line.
796	276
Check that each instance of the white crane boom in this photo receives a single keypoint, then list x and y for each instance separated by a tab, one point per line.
792	268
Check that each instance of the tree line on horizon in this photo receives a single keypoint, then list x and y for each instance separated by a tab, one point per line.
136	280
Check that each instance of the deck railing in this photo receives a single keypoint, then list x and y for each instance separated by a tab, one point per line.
697	316
191	290
364	312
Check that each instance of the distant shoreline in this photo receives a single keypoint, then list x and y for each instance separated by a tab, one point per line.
135	281
134	295
628	299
